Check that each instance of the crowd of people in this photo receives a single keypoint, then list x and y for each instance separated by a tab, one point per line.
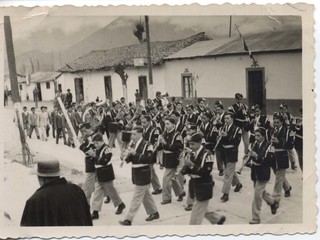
185	140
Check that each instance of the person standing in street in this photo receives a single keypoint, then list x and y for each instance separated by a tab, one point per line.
60	125
68	98
25	120
140	154
52	116
57	202
34	122
199	166
104	177
43	123
230	139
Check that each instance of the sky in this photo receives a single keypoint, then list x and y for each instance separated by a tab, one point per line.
46	29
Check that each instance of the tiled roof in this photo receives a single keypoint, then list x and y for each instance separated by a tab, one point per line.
106	59
260	42
39	77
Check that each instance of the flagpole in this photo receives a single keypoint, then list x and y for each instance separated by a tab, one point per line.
230	26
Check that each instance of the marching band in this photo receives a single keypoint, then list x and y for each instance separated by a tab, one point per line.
185	140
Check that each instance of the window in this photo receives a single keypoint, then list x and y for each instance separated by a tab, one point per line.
20	86
187	87
48	85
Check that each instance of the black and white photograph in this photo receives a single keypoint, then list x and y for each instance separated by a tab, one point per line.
128	120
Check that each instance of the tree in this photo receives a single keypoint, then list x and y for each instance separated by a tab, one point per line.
119	69
139	30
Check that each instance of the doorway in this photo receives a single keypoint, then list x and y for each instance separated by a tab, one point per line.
39	92
143	87
256	91
108	88
78	84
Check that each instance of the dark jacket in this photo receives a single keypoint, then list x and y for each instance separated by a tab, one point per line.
151	135
104	169
141	174
263	122
172	149
57	203
298	141
230	144
201	182
241	112
59	121
192	118
89	161
286	141
260	170
68	97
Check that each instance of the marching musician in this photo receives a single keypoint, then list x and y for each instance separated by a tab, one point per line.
200	109
199	166
114	127
191	116
281	141
288	122
258	120
180	110
104	177
298	142
190	129
260	174
150	135
230	139
218	123
159	100
179	126
171	142
241	119
90	115
87	145
140	154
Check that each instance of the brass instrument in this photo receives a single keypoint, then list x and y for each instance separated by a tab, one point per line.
219	137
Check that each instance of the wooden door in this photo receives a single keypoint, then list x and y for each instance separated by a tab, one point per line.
256	87
143	87
108	87
78	85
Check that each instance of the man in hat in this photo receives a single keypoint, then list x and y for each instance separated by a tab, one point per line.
57	202
68	98
260	174
230	139
241	119
190	130
172	144
288	122
34	122
104	177
151	134
140	154
199	166
86	146
281	141
257	121
218	124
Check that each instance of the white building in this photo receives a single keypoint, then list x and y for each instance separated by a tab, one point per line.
222	68
44	81
215	69
93	75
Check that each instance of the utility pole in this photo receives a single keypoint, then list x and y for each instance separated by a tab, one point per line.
14	88
146	19
11	60
230	26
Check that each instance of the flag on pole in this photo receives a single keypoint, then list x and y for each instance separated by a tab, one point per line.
245	45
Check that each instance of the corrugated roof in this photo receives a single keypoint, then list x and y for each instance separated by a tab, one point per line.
39	77
106	59
260	42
